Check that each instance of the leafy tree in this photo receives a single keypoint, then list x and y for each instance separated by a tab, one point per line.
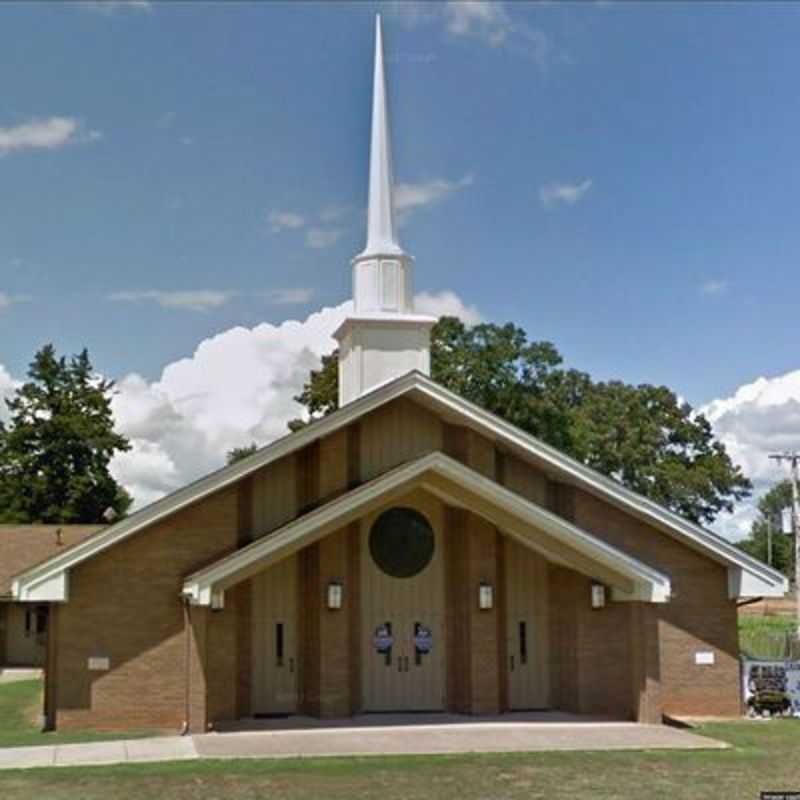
769	511
640	435
240	453
56	447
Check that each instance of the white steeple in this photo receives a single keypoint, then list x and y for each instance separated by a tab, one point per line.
384	338
381	236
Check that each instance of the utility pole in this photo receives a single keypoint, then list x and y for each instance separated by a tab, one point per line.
769	540
793	457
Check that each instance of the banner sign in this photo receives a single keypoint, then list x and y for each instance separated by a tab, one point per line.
382	639
772	685
423	639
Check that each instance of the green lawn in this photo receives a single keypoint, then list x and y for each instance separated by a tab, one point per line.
20	710
764	756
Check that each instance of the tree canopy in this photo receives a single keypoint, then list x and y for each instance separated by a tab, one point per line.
769	513
240	453
642	436
56	448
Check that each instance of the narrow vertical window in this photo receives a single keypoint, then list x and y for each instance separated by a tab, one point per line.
523	643
279	644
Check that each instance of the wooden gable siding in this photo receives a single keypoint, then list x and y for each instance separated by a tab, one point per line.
395	433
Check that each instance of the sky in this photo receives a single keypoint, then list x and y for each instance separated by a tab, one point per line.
184	185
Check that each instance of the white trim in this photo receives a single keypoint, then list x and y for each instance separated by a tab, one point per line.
762	581
203	586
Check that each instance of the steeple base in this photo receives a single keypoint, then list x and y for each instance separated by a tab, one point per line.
377	348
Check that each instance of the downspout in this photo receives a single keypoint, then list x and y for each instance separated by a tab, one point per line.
187	665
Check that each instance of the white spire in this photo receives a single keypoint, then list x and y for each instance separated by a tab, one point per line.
383	338
381	236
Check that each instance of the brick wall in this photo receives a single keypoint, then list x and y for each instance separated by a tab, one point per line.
125	605
699	617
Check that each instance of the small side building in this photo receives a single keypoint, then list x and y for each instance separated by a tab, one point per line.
23	626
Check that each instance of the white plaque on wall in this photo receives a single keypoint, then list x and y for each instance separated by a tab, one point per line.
99	664
704	657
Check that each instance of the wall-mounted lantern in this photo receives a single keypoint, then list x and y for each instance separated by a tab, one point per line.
485	596
335	594
598	595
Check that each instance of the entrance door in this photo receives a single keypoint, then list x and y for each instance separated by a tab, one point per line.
403	643
527	627
275	639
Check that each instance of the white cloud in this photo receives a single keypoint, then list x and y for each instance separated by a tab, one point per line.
320	238
285	297
205	299
409	197
759	418
7	387
714	286
449	304
552	194
8	300
111	6
236	387
41	134
285	220
486	21
191	299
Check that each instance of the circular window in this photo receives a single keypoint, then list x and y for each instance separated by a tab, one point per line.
401	542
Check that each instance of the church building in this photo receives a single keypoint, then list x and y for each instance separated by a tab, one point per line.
408	552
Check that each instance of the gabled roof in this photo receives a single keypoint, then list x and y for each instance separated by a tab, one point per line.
452	482
25	546
748	577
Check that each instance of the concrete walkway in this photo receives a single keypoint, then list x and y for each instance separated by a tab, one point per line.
516	733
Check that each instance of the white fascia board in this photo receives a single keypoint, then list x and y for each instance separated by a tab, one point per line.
773	582
557	527
713	545
220	479
742	583
202	586
52	588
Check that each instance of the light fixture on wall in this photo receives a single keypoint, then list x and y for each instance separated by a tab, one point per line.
335	594
598	595
485	596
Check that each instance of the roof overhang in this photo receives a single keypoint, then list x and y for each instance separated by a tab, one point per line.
748	577
454	483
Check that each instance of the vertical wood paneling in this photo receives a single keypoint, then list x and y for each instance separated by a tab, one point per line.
274	496
404	602
527	590
275	602
396	433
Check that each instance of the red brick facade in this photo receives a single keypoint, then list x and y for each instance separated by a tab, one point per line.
172	665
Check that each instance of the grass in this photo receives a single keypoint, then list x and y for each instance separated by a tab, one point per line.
763	757
765	636
20	712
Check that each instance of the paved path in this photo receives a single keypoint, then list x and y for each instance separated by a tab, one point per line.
465	737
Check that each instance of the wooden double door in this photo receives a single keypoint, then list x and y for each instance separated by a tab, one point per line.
402	628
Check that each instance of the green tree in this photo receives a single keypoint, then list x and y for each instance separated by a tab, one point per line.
240	453
640	435
769	511
56	447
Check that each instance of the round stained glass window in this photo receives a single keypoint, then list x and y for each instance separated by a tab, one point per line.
401	542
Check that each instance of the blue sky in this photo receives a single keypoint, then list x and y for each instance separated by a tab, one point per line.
618	178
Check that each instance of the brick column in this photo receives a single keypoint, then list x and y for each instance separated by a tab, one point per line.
196	624
645	671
